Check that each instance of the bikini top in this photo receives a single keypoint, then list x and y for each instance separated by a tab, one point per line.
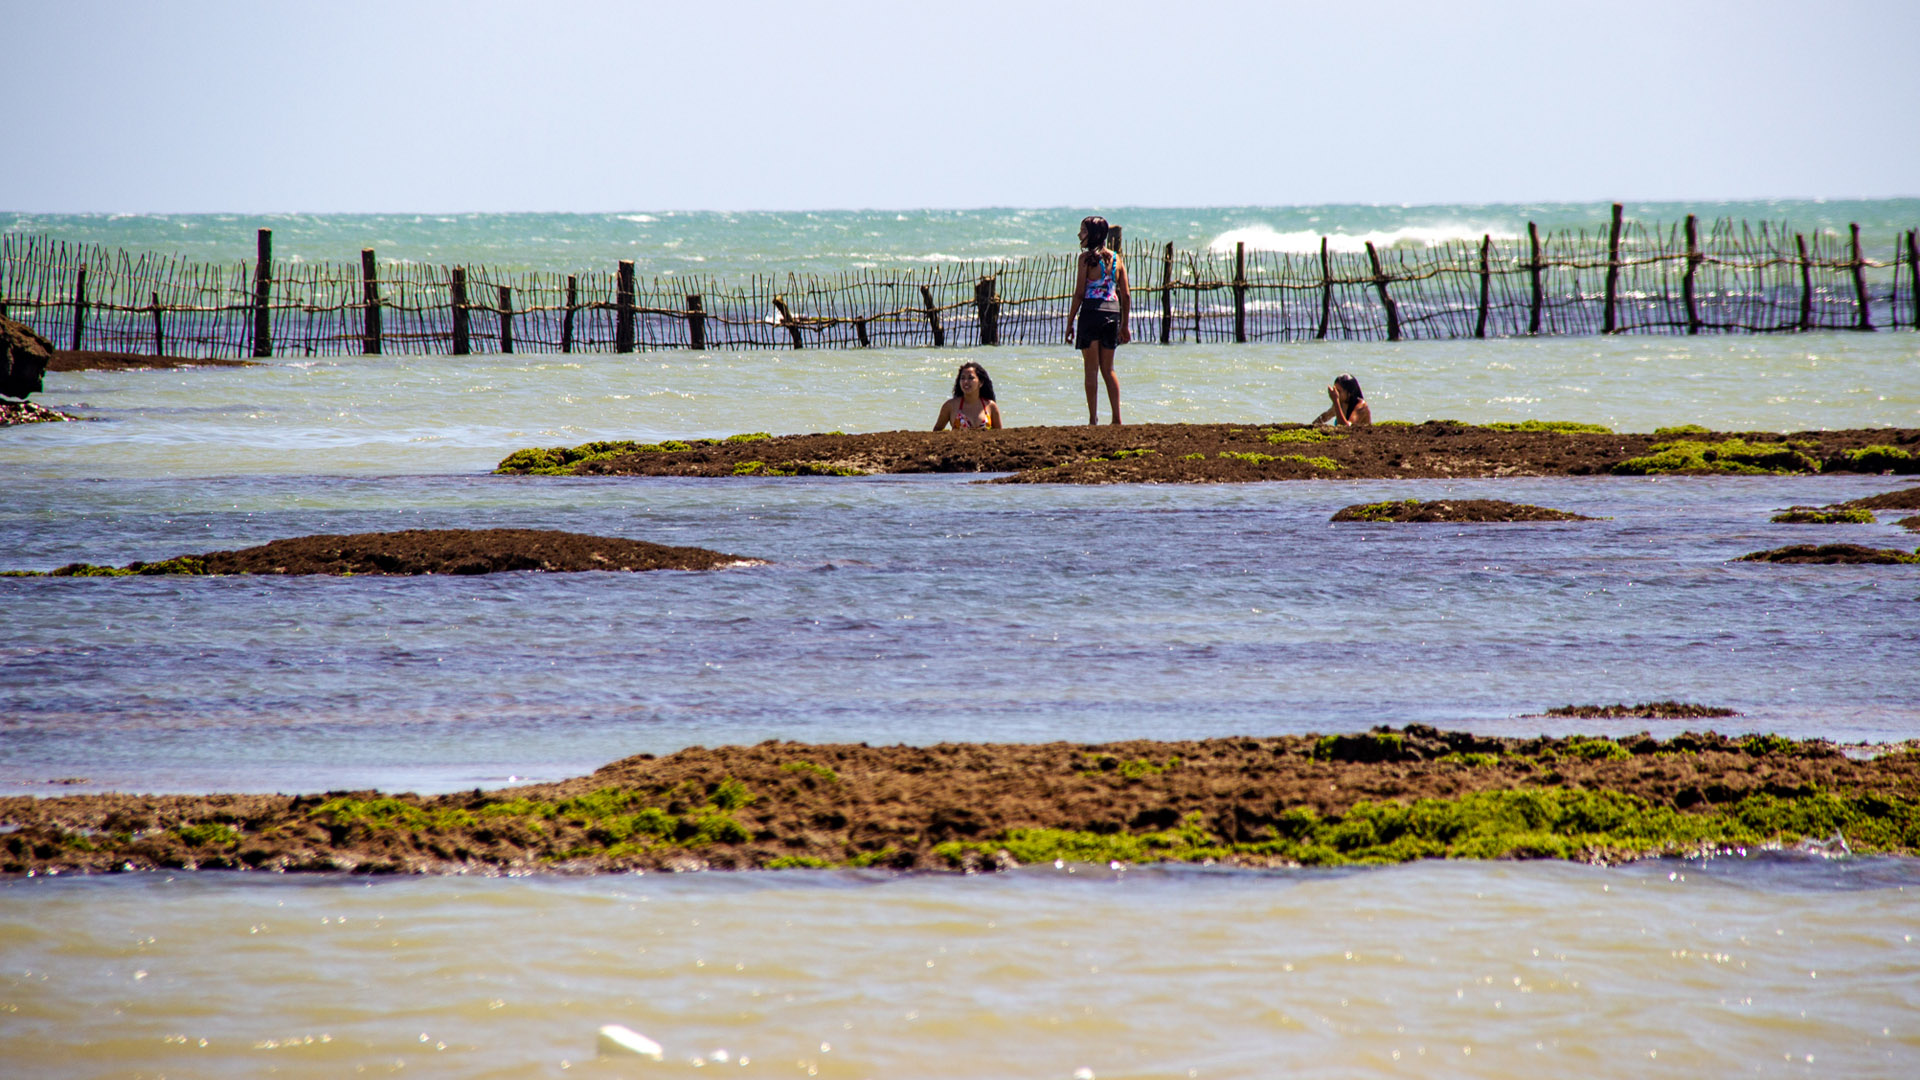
960	419
1104	287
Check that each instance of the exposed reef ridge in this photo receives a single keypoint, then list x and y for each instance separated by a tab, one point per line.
1832	553
423	551
1454	510
1381	796
1185	453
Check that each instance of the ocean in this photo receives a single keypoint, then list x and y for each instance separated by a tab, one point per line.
922	609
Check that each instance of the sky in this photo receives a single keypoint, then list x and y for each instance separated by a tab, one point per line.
397	106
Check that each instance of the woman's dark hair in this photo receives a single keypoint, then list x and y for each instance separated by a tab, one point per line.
1349	386
986	381
1096	228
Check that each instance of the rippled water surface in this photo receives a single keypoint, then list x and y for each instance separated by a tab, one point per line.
1767	967
916	609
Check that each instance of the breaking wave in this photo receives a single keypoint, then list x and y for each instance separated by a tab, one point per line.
1306	241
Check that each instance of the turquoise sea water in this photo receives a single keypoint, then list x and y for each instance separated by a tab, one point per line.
915	609
727	245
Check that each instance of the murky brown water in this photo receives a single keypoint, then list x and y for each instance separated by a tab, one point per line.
1773	968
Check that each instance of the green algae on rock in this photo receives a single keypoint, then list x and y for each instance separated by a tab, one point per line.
1383	795
1815	515
1454	510
1728	456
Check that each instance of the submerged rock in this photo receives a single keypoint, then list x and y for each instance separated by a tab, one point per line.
1831	553
1480	510
428	551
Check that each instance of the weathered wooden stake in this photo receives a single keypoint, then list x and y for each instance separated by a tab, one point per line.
370	329
80	308
262	293
1860	282
786	320
1326	290
986	307
1486	287
860	332
1240	291
1686	281
1380	283
462	342
1806	284
696	322
1607	323
1913	266
159	331
933	317
623	309
1166	294
566	317
1533	265
506	319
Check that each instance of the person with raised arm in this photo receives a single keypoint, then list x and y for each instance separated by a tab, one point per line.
1349	408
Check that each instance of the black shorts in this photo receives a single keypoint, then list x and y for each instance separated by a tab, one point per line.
1097	325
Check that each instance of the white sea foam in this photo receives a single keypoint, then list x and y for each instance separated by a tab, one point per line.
1306	241
644	219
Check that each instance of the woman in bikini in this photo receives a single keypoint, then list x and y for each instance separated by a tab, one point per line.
972	404
1101	304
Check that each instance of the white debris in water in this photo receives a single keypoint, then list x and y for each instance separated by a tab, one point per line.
617	1041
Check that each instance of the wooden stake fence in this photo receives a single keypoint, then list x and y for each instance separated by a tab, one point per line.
1636	278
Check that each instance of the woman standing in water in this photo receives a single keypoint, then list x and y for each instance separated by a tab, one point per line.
1101	303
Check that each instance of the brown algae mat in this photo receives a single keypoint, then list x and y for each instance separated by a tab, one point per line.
1382	796
1454	510
1650	710
1183	453
94	360
1906	498
424	551
1832	554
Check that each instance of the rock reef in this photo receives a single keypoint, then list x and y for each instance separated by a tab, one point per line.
1223	453
1387	795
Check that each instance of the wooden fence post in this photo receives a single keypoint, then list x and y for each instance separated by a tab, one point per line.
462	341
1913	266
1326	290
566	317
370	330
1486	287
506	319
1166	294
1608	325
159	332
623	309
79	308
986	307
1533	264
933	317
1240	291
860	332
793	328
1860	281
262	294
696	322
1380	283
1806	284
1686	280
